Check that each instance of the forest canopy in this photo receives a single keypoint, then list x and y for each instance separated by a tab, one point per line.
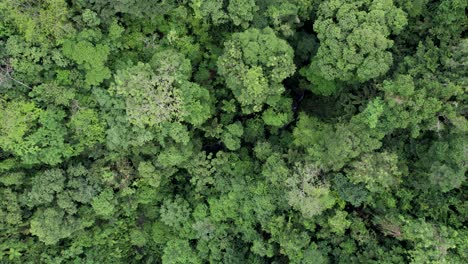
233	131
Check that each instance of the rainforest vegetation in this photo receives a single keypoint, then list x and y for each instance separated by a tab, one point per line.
233	131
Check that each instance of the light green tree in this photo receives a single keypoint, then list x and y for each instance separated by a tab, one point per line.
354	40
307	192
51	225
254	64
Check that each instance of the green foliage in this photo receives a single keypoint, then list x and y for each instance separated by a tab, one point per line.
444	163
431	242
278	115
103	204
403	85
179	251
285	15
161	92
254	64
91	58
136	131
333	146
11	212
355	194
211	10
307	193
373	112
45	186
175	213
319	84
354	39
241	12
51	225
338	223
87	129
90	18
150	99
37	21
34	135
379	172
16	119
196	102
138	238
149	174
53	94
232	135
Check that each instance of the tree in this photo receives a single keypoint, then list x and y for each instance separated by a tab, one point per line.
51	225
91	58
160	91
150	99
32	134
45	187
16	119
136	8
354	39
333	145
254	64
443	163
179	251
197	103
338	223
53	94
319	84
280	114
211	10
11	212
38	21
87	129
379	172
232	135
103	204
355	194
241	12
307	193
175	213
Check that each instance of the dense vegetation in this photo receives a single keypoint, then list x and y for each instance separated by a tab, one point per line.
233	131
